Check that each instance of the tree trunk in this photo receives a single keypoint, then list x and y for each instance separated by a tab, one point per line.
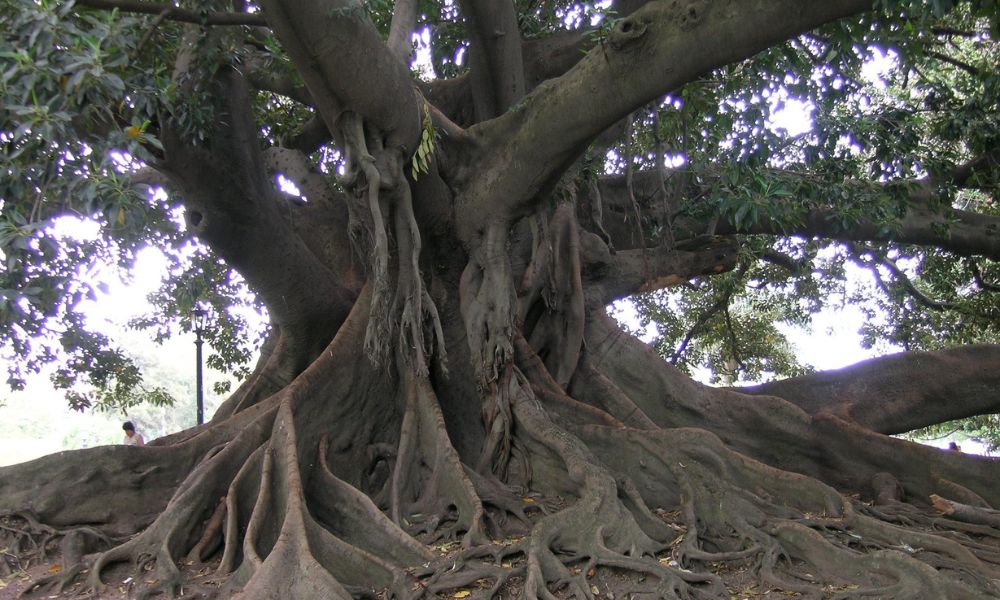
336	483
441	366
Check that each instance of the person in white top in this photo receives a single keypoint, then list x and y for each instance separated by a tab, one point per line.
132	437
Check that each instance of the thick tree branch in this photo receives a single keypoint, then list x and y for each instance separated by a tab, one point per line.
785	261
544	58
699	324
967	174
347	67
971	70
313	134
977	275
645	56
898	274
901	392
404	19
616	276
495	54
233	205
176	14
280	84
962	232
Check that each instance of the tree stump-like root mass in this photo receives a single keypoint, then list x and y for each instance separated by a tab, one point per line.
339	485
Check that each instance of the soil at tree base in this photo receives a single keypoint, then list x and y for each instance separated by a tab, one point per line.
606	584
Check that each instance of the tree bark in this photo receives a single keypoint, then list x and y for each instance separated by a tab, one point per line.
442	370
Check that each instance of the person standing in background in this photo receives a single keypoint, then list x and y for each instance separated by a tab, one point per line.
132	437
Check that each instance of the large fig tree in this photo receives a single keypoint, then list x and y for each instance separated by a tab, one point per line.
435	242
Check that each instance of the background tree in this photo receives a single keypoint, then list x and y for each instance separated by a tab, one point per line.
436	285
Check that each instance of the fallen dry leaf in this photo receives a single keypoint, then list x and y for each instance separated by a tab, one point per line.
461	594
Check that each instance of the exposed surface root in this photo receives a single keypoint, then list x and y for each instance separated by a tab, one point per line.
431	492
284	540
335	486
188	516
27	541
735	508
608	523
963	512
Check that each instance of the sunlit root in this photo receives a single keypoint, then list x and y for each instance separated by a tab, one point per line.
964	512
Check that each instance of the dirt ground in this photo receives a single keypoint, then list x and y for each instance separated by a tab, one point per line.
605	584
119	581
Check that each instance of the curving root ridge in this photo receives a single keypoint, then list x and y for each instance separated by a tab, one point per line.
669	505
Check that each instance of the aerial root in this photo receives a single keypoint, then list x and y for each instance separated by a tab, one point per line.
501	447
554	277
401	306
368	217
488	303
421	335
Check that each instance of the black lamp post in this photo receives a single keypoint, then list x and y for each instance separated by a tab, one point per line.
199	317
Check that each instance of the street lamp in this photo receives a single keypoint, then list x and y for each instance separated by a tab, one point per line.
199	319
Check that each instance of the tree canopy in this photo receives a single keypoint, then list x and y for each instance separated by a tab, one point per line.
899	108
434	202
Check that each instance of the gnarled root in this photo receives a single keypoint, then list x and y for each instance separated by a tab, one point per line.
555	324
608	524
187	518
488	303
30	540
737	509
401	307
284	540
429	483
